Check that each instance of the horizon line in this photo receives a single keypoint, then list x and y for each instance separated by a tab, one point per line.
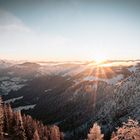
44	61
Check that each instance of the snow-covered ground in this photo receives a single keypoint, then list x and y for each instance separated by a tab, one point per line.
13	99
113	80
7	86
4	78
133	68
47	90
5	64
24	107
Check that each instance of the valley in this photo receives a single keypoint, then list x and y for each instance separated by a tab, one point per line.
73	95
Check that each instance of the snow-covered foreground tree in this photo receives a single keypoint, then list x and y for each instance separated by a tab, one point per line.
14	126
129	131
1	120
95	133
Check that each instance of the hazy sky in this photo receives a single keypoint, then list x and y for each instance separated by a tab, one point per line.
69	29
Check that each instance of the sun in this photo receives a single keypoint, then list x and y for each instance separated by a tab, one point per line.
99	58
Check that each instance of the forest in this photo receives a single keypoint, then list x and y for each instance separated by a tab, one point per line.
17	126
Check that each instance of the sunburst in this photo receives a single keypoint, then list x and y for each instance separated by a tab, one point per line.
99	73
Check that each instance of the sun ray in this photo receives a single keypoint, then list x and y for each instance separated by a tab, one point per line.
99	72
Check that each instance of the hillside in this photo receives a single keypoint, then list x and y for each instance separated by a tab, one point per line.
74	95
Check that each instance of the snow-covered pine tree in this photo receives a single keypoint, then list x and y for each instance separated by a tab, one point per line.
15	126
40	129
1	119
29	125
8	118
19	129
46	133
61	136
5	128
36	135
54	133
95	133
129	131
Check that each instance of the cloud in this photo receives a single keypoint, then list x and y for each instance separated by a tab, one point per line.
9	22
17	40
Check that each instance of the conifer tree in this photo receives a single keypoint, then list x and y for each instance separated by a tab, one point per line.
22	127
30	126
36	135
40	129
19	129
129	131
61	136
54	133
5	118
46	133
1	120
8	118
95	133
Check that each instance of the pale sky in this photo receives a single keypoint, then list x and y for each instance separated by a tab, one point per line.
69	29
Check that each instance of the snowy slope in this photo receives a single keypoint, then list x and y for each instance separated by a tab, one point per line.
113	80
124	102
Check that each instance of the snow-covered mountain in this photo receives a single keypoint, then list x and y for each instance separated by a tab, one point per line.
5	64
74	94
123	103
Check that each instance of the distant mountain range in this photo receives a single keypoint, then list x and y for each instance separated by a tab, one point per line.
74	95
